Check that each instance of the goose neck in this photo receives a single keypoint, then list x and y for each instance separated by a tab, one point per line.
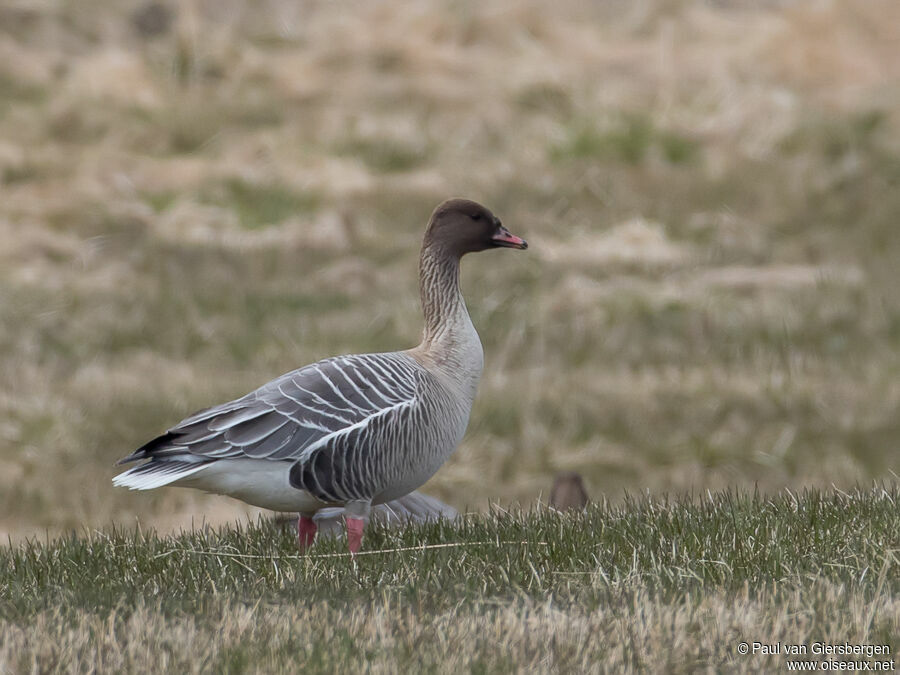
442	301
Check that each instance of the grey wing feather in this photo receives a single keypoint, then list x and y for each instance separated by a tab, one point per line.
294	414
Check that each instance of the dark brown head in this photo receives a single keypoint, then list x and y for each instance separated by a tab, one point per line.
568	492
461	226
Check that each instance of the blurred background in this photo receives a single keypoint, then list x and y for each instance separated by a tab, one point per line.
198	196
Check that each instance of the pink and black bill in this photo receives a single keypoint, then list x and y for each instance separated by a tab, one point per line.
503	237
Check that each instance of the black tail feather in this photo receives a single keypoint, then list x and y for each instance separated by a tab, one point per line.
164	442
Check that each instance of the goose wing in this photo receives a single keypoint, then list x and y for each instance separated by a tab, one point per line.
296	414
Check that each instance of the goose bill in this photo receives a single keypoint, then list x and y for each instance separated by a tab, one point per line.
505	238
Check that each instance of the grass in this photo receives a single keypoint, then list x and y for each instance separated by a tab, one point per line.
653	584
629	139
384	155
709	298
260	205
711	195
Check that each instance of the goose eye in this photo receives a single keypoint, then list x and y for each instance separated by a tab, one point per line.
475	216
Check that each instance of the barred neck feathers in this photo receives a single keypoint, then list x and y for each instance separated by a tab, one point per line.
449	341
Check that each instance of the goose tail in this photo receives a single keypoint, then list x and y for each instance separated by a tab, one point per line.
156	474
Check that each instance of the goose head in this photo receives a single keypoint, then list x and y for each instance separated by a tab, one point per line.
568	492
460	226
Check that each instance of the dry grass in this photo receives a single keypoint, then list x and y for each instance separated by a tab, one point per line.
639	633
710	191
653	585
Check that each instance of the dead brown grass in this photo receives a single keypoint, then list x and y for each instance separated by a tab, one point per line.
641	633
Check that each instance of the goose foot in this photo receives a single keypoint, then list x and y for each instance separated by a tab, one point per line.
354	533
306	532
357	512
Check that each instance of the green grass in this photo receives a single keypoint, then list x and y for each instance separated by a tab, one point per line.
258	205
629	139
385	155
642	573
186	218
14	91
20	174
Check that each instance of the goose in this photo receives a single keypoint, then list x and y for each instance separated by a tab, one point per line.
349	431
568	493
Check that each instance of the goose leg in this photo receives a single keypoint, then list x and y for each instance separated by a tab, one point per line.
306	532
357	512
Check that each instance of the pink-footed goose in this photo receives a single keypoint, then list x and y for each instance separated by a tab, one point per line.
348	431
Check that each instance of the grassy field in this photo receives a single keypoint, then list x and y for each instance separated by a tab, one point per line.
654	585
711	194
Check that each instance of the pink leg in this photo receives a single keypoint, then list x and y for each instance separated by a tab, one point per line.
354	533
306	532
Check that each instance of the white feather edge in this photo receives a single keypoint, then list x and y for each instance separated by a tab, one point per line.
134	480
